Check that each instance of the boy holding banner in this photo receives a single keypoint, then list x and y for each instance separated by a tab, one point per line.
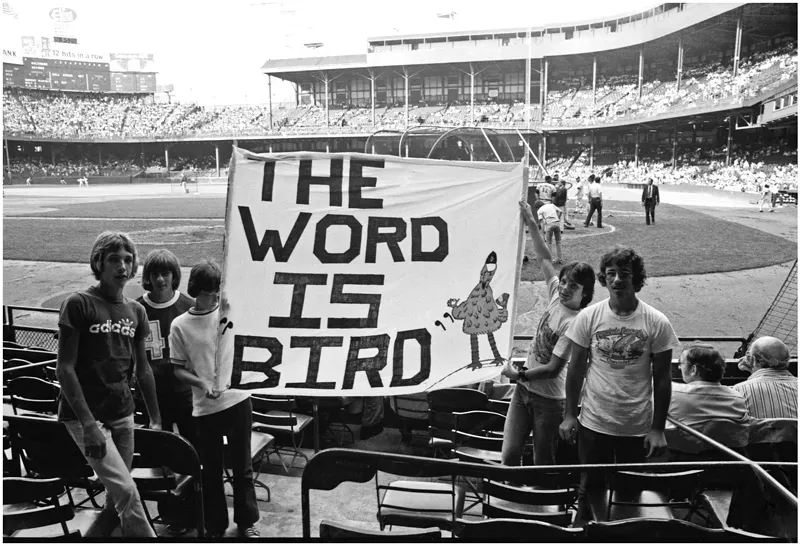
539	398
229	413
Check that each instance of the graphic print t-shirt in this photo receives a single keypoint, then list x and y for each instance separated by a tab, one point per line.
107	334
160	317
618	389
550	340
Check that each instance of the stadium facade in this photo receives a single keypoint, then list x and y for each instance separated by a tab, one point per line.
677	76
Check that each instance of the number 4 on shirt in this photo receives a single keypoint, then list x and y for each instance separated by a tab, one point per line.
154	343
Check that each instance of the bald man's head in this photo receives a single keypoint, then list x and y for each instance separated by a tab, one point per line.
770	352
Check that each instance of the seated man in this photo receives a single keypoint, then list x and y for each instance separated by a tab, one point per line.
702	397
771	390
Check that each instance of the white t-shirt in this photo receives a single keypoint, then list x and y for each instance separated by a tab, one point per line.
548	214
550	340
193	345
595	190
617	396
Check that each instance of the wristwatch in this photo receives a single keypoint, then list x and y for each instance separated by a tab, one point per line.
521	377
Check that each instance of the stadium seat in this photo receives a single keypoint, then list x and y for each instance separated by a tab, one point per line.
515	530
529	502
412	414
276	416
651	530
442	403
34	503
642	494
34	395
334	531
166	469
46	450
422	504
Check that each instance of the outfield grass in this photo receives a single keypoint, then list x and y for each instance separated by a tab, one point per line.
683	241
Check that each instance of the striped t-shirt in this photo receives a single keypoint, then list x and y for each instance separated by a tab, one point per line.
770	394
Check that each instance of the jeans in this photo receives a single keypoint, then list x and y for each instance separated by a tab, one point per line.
235	423
554	231
595	204
531	412
123	504
564	219
597	448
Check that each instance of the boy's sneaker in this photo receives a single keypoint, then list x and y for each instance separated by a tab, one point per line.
249	532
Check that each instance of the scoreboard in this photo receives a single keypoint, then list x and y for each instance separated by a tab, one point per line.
68	75
133	82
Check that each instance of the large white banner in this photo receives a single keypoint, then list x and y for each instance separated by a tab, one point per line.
355	274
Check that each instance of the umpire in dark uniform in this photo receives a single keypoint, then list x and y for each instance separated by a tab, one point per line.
650	199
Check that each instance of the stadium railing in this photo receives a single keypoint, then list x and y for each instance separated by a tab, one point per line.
29	336
330	468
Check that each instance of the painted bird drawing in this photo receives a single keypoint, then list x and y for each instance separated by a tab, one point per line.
481	313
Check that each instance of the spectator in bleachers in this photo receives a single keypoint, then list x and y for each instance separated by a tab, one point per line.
622	347
701	396
771	390
101	344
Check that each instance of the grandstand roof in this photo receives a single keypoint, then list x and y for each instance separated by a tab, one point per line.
303	64
522	31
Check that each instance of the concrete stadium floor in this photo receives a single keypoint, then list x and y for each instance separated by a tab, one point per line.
714	304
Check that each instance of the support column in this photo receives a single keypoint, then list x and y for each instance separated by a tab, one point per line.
216	157
269	95
675	147
327	99
52	155
737	48
680	63
591	151
544	150
544	103
166	158
636	150
541	84
730	140
471	94
594	80
405	101
100	158
528	88
528	94
641	70
372	96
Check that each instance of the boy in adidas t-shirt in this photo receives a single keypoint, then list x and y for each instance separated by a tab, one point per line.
538	401
101	337
229	413
626	394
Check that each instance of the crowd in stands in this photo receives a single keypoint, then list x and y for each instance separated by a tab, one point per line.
570	102
749	171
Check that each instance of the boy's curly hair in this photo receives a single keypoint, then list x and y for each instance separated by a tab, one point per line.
623	256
